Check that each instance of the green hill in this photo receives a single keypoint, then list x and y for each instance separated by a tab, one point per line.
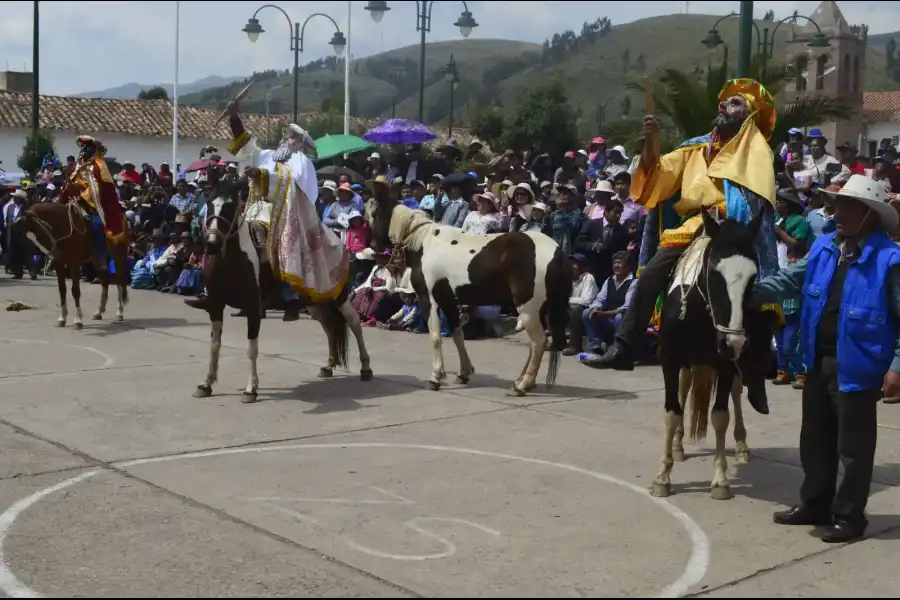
594	67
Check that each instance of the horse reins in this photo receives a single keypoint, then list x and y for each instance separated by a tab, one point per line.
54	241
706	296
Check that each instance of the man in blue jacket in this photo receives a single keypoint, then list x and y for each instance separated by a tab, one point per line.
849	285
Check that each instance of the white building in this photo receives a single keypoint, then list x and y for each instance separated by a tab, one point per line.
881	114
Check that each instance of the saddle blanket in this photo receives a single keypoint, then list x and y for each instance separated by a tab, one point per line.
687	271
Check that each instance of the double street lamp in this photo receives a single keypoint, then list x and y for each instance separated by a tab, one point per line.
338	41
466	24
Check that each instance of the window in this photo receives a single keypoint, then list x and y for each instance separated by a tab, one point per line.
856	74
820	72
844	81
800	74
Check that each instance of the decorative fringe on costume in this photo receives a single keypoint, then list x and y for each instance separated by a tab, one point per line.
115	239
239	142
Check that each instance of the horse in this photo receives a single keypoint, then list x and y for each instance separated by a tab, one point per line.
525	270
702	334
238	274
64	234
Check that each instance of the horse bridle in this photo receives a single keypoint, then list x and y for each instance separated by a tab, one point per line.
54	241
233	224
706	296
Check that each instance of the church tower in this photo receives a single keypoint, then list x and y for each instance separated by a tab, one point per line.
837	71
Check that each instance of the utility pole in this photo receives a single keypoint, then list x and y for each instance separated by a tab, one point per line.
745	35
36	72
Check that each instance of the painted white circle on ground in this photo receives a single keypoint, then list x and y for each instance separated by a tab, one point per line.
108	361
694	572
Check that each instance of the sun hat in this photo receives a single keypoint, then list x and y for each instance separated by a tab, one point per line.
495	202
789	194
530	208
603	186
619	149
872	194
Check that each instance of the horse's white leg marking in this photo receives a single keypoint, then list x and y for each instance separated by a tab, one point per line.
537	338
437	359
684	387
63	301
662	485
252	354
249	250
215	345
355	325
465	364
737	272
720	488
104	297
741	450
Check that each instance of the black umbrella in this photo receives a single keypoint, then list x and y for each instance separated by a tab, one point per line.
114	166
460	178
333	172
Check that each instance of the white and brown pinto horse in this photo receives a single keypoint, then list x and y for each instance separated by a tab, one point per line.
450	267
238	274
702	334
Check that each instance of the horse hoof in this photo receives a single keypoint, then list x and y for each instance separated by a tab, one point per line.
742	456
366	375
61	323
531	386
248	397
434	385
678	455
462	380
325	372
97	316
721	493
120	318
515	392
660	490
203	391
79	326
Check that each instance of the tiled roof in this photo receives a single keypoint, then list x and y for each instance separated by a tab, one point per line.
881	107
150	118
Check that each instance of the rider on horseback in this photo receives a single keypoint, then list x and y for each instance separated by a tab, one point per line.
91	185
730	169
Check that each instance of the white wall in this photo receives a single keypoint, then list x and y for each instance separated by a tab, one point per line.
137	149
876	131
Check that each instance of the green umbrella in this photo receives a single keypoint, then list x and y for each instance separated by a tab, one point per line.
332	145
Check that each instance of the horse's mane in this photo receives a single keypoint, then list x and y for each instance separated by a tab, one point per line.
409	227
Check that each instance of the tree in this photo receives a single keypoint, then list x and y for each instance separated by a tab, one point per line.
890	53
690	104
770	16
488	126
543	117
154	93
641	63
34	150
626	61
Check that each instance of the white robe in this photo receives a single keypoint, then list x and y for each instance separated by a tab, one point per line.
306	254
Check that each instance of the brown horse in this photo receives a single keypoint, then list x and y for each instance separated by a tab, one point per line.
63	232
239	275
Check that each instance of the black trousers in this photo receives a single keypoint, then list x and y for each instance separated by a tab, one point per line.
576	326
837	426
653	281
20	254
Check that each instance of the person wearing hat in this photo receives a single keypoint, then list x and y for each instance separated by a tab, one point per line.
793	144
335	216
850	335
16	242
129	172
792	231
599	239
455	211
602	194
729	169
486	218
143	275
565	222
597	157
617	162
584	290
822	166
91	183
882	172
569	172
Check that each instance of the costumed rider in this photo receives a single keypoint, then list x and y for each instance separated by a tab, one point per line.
90	184
307	257
730	169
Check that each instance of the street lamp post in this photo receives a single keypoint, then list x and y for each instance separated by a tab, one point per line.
268	100
451	74
338	41
765	46
36	72
466	23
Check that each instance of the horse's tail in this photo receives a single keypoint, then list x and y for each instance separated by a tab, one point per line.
337	328
558	284
702	389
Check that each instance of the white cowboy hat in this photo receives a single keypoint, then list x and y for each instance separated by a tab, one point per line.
620	150
529	208
871	193
603	185
20	194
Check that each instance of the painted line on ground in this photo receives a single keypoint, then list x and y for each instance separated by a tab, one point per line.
108	361
694	572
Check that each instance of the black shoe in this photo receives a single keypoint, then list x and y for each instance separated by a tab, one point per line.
757	396
291	311
201	302
844	530
570	351
617	357
802	515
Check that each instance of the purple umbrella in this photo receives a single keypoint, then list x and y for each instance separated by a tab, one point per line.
399	131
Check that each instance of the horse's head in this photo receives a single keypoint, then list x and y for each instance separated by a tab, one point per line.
222	214
730	269
381	215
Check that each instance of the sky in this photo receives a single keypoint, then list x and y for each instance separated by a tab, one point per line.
89	46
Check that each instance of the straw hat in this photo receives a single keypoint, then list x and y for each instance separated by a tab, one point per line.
603	186
871	193
530	208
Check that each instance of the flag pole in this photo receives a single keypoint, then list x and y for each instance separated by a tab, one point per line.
174	164
347	60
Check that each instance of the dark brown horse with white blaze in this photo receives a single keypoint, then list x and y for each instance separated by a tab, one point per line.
702	334
238	274
64	234
450	267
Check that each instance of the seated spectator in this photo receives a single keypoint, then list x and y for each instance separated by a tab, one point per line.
583	293
143	276
485	219
455	211
128	173
357	240
168	266
190	281
335	216
605	313
183	201
535	217
374	300
406	318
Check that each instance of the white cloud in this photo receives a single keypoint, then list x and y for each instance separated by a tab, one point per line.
95	45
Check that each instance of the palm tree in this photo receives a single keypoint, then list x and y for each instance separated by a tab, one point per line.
690	100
